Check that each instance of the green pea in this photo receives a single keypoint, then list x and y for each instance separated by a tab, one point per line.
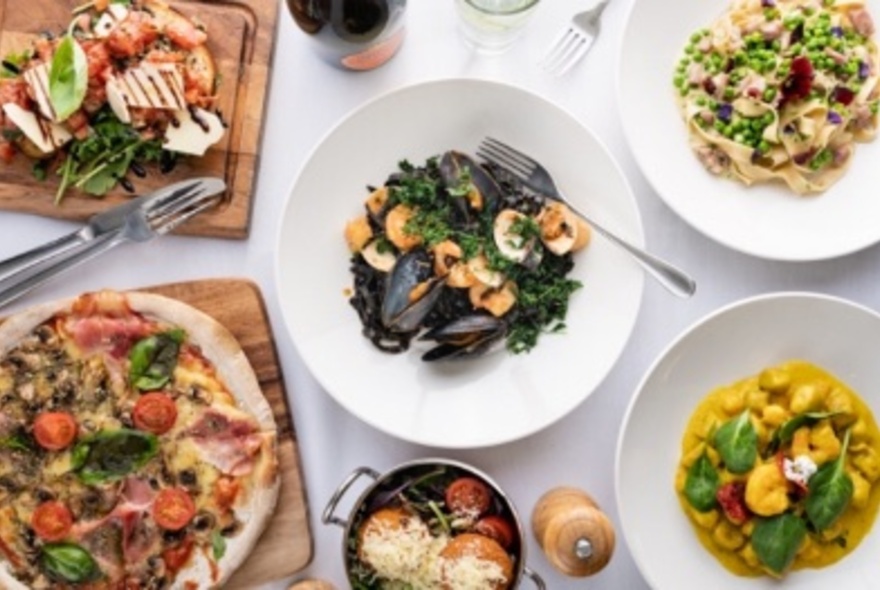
695	38
769	94
684	91
678	81
719	126
728	131
795	48
698	57
690	49
729	94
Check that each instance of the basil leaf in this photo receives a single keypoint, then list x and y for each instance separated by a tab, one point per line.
777	540
16	442
702	484
68	78
218	544
153	360
67	562
785	433
737	442
831	490
112	454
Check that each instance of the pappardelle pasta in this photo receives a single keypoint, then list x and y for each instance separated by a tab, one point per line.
781	90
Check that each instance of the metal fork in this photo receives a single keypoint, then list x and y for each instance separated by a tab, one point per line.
157	218
574	41
535	176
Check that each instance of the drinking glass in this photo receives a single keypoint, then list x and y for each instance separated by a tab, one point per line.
491	26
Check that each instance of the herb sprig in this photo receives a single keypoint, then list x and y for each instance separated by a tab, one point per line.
95	164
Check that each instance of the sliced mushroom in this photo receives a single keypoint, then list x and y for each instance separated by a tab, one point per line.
380	257
508	231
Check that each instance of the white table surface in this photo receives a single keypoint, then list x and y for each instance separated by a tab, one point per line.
307	98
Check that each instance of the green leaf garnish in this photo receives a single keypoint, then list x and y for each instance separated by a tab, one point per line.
737	442
68	78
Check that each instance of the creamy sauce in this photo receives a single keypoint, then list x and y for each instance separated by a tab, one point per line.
729	401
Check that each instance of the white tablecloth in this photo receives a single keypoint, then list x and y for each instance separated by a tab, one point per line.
307	98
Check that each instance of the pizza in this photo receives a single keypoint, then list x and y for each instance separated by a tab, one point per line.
136	448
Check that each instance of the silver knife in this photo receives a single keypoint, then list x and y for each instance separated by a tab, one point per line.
138	220
98	225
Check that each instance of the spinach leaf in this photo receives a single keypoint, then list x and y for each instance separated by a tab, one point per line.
218	545
67	562
153	360
737	441
702	484
785	433
776	540
68	78
831	490
110	455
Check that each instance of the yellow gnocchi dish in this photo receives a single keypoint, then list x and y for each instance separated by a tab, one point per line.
779	471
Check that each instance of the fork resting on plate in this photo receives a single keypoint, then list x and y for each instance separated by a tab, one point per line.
532	174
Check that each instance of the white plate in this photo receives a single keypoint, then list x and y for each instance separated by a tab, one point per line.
768	221
500	397
729	345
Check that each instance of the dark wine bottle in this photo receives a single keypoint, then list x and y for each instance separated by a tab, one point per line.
353	34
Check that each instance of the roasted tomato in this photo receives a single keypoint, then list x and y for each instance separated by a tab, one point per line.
55	431
468	495
184	34
497	528
732	498
52	521
225	492
176	557
133	35
173	509
155	412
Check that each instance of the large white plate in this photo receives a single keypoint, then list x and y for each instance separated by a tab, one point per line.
731	344
766	220
497	398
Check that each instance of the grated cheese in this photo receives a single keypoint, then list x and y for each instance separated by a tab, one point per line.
408	556
469	572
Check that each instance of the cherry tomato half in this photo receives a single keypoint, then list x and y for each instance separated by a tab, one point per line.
55	431
173	509
176	557
467	495
52	521
155	413
496	528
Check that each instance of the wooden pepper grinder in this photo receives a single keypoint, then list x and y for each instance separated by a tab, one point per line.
311	585
576	536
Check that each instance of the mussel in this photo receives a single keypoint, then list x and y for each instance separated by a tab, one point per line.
456	169
465	337
411	291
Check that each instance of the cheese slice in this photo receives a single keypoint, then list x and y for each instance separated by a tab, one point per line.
115	14
48	136
193	132
150	86
37	79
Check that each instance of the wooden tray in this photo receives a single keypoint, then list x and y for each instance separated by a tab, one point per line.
241	34
286	545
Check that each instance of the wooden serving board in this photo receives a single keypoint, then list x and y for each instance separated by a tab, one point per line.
286	545
241	35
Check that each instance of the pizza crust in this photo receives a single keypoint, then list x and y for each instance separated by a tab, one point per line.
221	348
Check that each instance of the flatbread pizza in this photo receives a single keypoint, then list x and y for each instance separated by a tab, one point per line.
136	448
